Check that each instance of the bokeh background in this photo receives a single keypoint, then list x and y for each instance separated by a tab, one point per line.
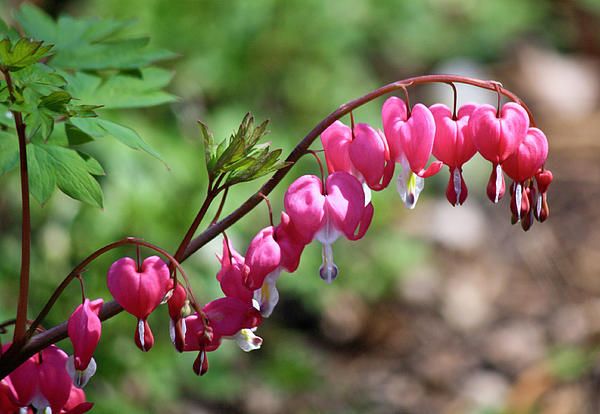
437	310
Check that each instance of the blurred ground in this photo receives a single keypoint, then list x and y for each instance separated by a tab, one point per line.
439	310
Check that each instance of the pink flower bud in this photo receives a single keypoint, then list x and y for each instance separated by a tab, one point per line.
139	292
76	404
176	324
336	141
54	381
84	329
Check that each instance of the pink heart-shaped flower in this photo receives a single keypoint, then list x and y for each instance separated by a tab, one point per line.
529	156
497	138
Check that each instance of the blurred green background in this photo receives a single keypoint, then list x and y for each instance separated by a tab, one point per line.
437	310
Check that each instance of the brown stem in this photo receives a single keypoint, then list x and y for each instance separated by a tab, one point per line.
14	356
221	205
302	147
20	324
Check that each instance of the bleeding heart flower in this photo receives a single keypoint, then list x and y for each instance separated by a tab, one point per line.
262	257
496	138
336	141
326	215
410	138
54	381
522	165
84	329
453	146
543	178
177	326
140	291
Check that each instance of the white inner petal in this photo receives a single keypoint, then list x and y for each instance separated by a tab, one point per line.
457	184
141	332
538	206
518	200
498	182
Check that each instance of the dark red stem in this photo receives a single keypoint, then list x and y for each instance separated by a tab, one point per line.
21	320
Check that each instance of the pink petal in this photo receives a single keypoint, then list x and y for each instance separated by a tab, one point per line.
304	203
368	154
416	137
497	138
55	383
84	329
290	243
228	315
529	156
345	204
336	140
394	113
263	256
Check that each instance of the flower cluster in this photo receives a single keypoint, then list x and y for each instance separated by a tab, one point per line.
42	382
359	159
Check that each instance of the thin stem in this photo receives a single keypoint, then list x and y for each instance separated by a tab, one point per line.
82	286
303	145
314	154
352	125
221	205
38	342
20	324
268	202
455	96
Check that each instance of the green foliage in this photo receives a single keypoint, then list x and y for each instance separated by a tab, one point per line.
240	158
44	82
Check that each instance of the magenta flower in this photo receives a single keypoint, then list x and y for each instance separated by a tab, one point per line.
177	326
453	146
523	164
84	329
291	247
54	381
140	291
363	153
496	138
262	257
226	318
410	138
327	213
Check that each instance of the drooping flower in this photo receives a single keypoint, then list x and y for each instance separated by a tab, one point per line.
22	383
523	164
362	152
84	329
262	257
54	387
410	137
543	178
291	245
177	326
453	146
225	317
327	213
496	138
139	291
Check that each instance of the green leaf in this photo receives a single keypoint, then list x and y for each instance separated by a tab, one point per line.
56	101
76	136
54	165
122	91
40	121
23	53
42	180
99	128
9	152
128	137
93	166
209	148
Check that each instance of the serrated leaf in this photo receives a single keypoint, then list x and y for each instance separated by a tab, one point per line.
42	180
208	142
65	168
127	136
23	53
9	152
259	132
39	77
83	111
